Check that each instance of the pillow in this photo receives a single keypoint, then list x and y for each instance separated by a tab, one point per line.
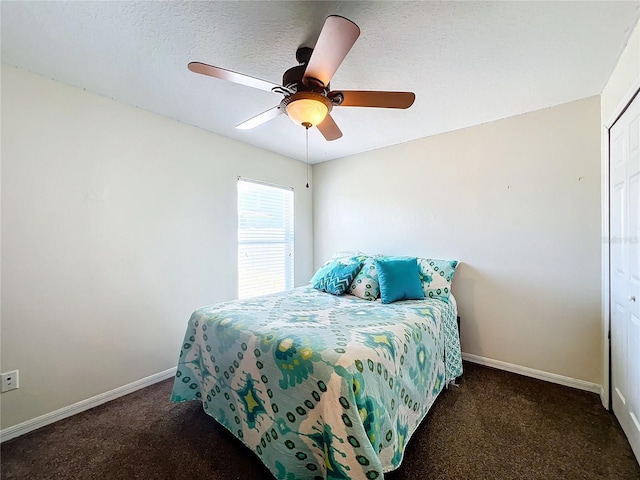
436	277
399	279
326	266
336	276
366	285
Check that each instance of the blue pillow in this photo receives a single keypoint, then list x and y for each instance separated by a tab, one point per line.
399	279
329	264
336	276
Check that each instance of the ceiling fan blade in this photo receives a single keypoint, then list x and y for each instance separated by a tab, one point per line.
336	39
260	118
234	77
329	129
363	98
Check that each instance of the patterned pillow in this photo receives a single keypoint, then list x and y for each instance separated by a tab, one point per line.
366	284
336	276
436	277
326	266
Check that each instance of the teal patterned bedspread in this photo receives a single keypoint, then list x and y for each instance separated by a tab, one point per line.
320	386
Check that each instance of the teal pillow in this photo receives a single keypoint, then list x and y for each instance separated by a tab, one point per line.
336	276
436	277
329	264
399	279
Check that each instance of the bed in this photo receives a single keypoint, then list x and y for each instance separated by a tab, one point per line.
320	386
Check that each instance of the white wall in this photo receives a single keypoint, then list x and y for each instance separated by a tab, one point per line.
517	201
622	78
116	224
621	86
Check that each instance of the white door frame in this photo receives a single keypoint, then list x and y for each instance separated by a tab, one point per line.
606	264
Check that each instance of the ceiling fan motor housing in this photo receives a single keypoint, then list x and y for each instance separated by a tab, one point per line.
293	79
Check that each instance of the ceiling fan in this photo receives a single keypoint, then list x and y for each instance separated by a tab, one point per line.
308	99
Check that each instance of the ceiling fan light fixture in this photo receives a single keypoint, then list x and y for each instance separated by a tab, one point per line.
306	108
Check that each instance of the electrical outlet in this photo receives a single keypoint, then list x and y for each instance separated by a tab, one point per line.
9	381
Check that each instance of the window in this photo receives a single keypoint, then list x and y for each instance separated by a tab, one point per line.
265	238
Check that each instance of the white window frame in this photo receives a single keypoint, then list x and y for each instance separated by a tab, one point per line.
266	247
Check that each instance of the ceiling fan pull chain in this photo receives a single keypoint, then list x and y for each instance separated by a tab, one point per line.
306	127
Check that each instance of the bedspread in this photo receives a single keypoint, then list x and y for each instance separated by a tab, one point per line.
320	386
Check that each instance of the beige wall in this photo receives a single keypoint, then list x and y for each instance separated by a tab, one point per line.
517	201
116	224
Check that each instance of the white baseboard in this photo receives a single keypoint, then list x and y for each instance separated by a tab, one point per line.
64	412
531	372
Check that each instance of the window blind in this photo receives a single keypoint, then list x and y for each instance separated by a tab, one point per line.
265	238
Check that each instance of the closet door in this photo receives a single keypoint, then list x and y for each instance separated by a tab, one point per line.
624	188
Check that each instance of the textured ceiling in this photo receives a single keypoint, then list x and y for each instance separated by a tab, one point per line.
467	62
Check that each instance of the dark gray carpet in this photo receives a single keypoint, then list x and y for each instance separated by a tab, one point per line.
496	425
